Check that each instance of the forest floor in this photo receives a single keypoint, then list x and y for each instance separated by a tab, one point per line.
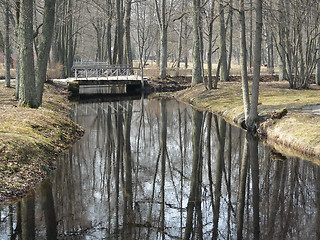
31	139
289	119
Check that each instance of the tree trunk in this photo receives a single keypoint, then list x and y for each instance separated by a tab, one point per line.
230	37
281	43
186	45
7	44
318	63
209	57
108	33
244	69
251	37
69	40
17	6
222	44
127	17
196	55
44	47
180	41
27	95
163	54
119	32
253	114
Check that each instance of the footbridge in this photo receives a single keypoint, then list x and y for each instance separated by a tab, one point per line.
101	78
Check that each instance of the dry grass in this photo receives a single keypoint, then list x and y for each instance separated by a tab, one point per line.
152	69
54	72
30	140
298	133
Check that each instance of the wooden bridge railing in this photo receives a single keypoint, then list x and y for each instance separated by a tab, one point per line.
102	70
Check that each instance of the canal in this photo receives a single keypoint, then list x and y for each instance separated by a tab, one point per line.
157	169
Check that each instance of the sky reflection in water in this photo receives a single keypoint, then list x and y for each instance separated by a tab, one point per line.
156	169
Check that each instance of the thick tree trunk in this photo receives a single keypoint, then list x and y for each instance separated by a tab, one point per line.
222	44
119	41
318	63
230	37
244	70
196	54
253	114
251	37
27	95
127	20
7	44
44	47
69	40
164	41
209	57
108	33
163	54
163	29
17	8
281	44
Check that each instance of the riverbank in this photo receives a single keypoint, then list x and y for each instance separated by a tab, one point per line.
31	139
295	134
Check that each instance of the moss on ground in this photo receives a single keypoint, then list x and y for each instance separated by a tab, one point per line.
31	139
298	133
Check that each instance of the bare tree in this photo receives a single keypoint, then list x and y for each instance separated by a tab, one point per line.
196	53
297	34
27	95
253	113
44	47
7	43
222	44
164	13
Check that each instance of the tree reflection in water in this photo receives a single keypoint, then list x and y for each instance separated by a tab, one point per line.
160	170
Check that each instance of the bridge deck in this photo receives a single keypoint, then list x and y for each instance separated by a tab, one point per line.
100	75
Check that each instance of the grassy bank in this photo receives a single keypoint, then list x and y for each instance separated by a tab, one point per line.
297	133
31	139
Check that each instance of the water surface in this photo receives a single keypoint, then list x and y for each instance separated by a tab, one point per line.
156	169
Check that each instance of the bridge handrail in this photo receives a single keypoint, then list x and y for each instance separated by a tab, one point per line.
102	66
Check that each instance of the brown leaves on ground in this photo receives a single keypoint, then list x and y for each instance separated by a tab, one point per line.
31	139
